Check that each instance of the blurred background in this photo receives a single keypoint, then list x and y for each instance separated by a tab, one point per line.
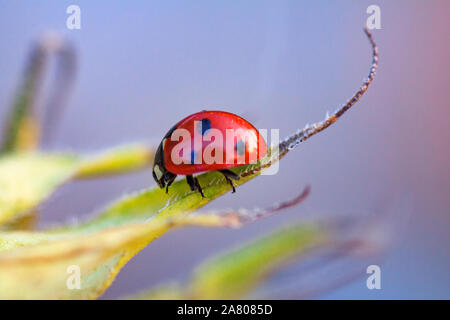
280	64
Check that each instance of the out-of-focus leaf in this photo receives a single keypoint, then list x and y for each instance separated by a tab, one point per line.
27	221
23	127
302	260
235	274
22	130
27	179
118	160
33	265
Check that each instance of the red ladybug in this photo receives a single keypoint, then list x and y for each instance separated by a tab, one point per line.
207	141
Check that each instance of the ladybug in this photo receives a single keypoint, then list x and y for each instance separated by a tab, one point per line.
207	141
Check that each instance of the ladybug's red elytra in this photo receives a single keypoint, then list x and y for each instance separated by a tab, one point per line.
207	141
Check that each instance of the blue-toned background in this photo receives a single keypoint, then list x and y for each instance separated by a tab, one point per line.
143	65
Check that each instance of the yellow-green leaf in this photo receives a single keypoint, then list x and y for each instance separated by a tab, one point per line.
34	264
237	273
23	128
37	265
118	160
27	179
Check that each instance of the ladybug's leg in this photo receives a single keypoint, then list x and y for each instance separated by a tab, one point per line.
170	181
198	187
190	182
194	184
230	175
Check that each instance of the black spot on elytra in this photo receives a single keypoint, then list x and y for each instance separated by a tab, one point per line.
240	147
205	126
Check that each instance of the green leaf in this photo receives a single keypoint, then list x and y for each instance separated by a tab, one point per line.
237	273
33	265
115	161
27	179
23	129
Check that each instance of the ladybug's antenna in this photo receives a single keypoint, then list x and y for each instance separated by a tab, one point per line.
310	130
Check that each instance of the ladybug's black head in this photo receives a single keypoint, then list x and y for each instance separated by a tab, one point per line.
161	175
158	175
